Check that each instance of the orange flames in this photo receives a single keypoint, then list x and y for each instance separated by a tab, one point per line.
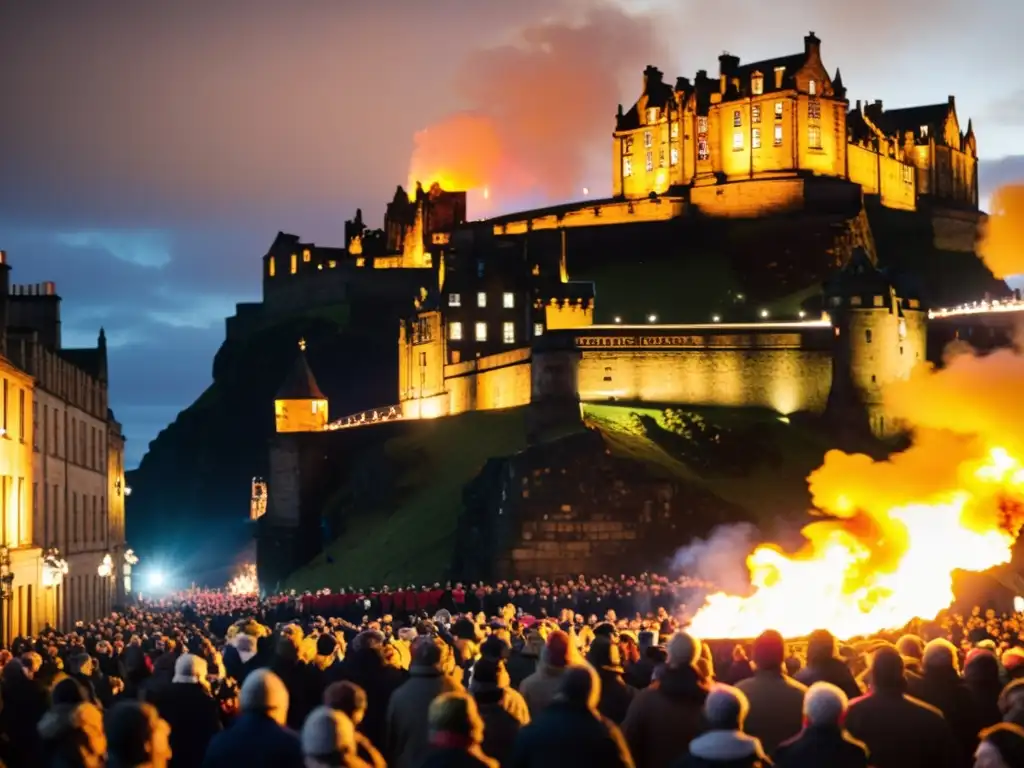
245	583
1002	241
898	529
462	153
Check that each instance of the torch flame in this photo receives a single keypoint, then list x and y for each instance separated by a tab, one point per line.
864	571
245	583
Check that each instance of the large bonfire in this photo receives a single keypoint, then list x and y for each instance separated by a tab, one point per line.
894	531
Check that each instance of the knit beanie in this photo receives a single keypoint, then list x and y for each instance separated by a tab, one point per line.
556	650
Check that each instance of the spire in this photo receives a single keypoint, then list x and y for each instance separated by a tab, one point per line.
300	384
837	85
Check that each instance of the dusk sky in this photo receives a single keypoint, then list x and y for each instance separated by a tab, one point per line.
151	150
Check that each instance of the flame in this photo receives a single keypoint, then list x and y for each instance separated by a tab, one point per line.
866	570
463	152
245	583
1002	234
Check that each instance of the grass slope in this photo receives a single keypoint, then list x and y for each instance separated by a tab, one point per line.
412	542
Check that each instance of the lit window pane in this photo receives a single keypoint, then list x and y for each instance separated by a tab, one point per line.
481	331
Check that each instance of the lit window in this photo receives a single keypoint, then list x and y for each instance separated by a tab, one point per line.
481	299
661	157
702	125
272	266
737	140
627	145
674	129
306	255
778	135
508	333
737	119
455	331
814	109
538	329
924	131
454	299
331	264
508	300
481	331
295	263
648	139
703	150
755	138
814	136
778	110
779	73
627	166
812	88
755	113
757	84
674	155
650	160
652	115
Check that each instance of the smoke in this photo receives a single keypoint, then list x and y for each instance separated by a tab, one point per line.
536	107
721	558
1002	241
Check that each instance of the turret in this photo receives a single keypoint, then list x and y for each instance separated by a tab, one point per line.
299	405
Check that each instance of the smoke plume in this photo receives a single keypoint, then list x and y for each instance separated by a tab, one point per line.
1002	241
535	108
721	558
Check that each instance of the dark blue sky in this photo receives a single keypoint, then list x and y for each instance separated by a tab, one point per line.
149	151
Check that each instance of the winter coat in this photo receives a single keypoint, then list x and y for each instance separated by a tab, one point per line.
504	712
616	696
305	685
981	677
822	745
520	666
724	749
944	690
776	707
24	704
539	689
665	717
832	670
255	741
565	734
407	730
366	668
902	732
194	718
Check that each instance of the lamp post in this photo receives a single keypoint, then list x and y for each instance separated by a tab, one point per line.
6	592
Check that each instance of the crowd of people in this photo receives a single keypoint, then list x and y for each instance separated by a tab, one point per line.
596	672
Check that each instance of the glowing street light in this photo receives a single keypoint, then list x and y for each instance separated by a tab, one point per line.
764	313
716	319
652	318
802	314
106	568
618	319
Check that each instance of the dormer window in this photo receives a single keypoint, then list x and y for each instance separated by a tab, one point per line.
779	72
757	84
812	87
652	115
924	131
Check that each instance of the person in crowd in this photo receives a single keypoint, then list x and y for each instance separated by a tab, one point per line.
941	686
365	666
303	680
899	731
329	652
1011	702
240	657
1001	746
823	741
776	701
24	704
407	728
328	740
725	743
666	716
981	676
190	709
502	710
616	695
259	737
539	689
911	648
824	665
137	737
651	654
523	662
456	733
349	699
570	730
70	736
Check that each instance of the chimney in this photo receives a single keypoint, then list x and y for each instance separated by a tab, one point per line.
812	46
652	76
952	101
728	64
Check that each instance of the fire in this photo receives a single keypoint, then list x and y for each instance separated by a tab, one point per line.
463	152
864	571
245	583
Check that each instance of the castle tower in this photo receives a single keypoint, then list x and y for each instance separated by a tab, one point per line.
300	406
879	336
554	384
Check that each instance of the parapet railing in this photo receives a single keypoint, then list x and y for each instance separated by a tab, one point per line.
979	307
366	418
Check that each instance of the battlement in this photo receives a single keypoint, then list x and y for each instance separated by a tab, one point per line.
46	288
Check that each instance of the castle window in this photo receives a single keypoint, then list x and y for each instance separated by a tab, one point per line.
454	299
608	374
757	83
778	110
778	135
813	109
295	263
508	333
652	115
627	145
331	264
508	300
755	113
755	138
306	255
480	331
867	336
271	266
538	329
455	331
737	140
812	87
737	119
673	130
648	139
855	301
779	72
924	131
703	150
814	136
650	160
481	299
627	166
877	301
674	155
661	157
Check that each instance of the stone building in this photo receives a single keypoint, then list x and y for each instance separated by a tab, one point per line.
77	492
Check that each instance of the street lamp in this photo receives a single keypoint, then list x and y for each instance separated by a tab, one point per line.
106	567
55	568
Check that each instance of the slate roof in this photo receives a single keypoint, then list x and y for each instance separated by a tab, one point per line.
300	383
899	121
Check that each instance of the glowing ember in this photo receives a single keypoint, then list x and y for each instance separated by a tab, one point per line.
245	583
866	571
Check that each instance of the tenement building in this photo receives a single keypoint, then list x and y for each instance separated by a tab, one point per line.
74	512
